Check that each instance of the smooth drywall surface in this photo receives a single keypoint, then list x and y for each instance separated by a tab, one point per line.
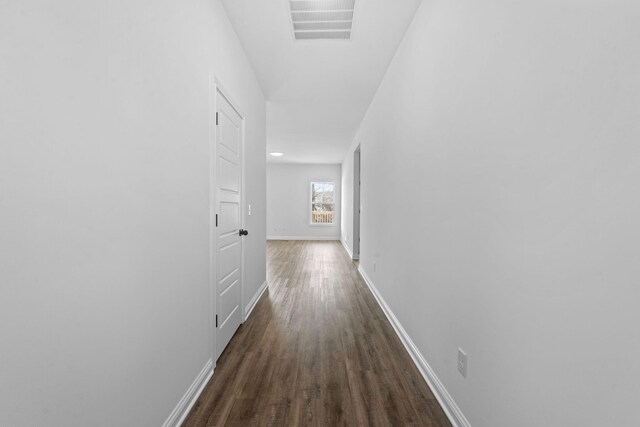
289	200
500	202
104	204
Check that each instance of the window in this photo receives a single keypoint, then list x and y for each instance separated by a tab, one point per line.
322	203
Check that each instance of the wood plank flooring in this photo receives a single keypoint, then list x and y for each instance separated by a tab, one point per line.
316	351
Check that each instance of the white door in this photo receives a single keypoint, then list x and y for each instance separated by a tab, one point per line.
228	242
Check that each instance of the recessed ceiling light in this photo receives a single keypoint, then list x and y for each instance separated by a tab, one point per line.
321	19
277	154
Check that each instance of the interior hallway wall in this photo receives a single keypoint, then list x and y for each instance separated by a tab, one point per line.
289	201
500	202
104	204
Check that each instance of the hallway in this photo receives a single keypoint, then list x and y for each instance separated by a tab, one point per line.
317	350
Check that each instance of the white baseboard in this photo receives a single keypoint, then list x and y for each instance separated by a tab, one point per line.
180	412
346	248
303	237
249	308
447	403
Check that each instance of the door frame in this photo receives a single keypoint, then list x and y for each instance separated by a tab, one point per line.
357	187
215	89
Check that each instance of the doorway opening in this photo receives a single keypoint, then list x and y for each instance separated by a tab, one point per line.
356	203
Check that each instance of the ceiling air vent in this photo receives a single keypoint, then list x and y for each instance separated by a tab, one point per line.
322	19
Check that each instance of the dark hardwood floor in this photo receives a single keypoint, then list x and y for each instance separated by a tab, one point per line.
317	350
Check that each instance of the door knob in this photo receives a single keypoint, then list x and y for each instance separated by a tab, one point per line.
243	232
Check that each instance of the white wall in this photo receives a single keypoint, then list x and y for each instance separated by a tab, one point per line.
500	171
104	204
288	201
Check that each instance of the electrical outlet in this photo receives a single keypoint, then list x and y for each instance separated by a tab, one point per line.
462	362
249	209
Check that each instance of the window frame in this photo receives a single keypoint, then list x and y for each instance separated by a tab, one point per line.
310	205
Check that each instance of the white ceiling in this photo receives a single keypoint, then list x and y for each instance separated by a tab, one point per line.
317	90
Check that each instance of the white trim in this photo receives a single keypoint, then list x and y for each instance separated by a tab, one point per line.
212	213
356	202
346	248
249	308
447	403
303	237
180	412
